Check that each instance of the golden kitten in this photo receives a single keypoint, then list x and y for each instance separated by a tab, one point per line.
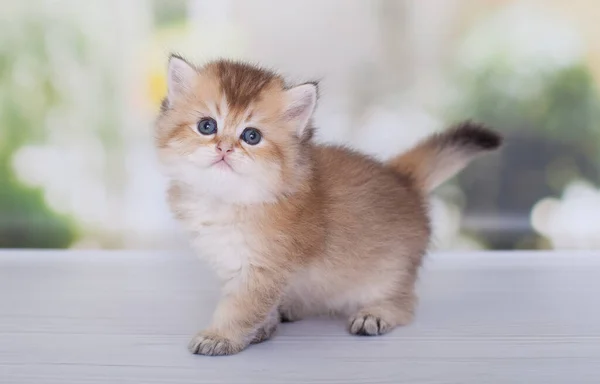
293	228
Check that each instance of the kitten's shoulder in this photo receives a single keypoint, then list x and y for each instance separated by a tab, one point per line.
176	198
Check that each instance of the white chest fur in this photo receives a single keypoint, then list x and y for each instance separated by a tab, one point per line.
217	236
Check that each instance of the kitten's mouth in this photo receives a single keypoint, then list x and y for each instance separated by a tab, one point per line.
222	164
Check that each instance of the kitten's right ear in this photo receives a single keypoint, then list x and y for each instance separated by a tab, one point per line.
180	77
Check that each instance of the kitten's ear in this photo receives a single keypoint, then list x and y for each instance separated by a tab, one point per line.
180	77
300	105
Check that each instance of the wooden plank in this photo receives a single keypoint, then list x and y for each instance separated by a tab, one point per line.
125	317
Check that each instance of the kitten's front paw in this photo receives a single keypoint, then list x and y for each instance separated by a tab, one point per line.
210	344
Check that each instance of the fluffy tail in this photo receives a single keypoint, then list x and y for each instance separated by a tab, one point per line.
442	155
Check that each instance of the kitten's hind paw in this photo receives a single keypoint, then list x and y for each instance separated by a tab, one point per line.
378	320
368	325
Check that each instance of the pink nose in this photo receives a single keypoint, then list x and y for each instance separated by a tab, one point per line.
224	149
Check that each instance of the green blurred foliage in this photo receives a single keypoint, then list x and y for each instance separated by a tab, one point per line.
551	122
27	93
562	105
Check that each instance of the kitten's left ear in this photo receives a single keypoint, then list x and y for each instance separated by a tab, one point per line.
180	77
300	105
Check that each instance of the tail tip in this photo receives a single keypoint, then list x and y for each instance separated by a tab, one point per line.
476	136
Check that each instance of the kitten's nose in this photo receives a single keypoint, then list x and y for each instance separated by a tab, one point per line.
224	148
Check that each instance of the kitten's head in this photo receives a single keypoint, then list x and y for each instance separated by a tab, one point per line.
235	131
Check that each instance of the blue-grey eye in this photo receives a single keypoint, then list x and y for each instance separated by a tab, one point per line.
251	136
207	126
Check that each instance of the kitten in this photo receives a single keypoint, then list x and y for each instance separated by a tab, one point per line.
293	228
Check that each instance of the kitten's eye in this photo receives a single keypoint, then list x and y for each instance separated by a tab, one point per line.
207	126
251	136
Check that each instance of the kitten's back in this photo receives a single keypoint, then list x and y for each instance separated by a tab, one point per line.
366	199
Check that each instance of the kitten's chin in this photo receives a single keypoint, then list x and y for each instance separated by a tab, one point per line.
233	188
221	182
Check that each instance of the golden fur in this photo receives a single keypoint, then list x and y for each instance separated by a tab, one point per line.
293	228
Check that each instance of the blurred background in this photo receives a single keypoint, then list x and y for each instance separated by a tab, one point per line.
81	82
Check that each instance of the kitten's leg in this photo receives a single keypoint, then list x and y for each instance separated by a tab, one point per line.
381	317
290	311
268	328
240	313
294	305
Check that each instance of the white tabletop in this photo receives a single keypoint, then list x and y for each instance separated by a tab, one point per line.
125	317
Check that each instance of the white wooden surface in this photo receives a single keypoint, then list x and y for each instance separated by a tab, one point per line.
123	317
